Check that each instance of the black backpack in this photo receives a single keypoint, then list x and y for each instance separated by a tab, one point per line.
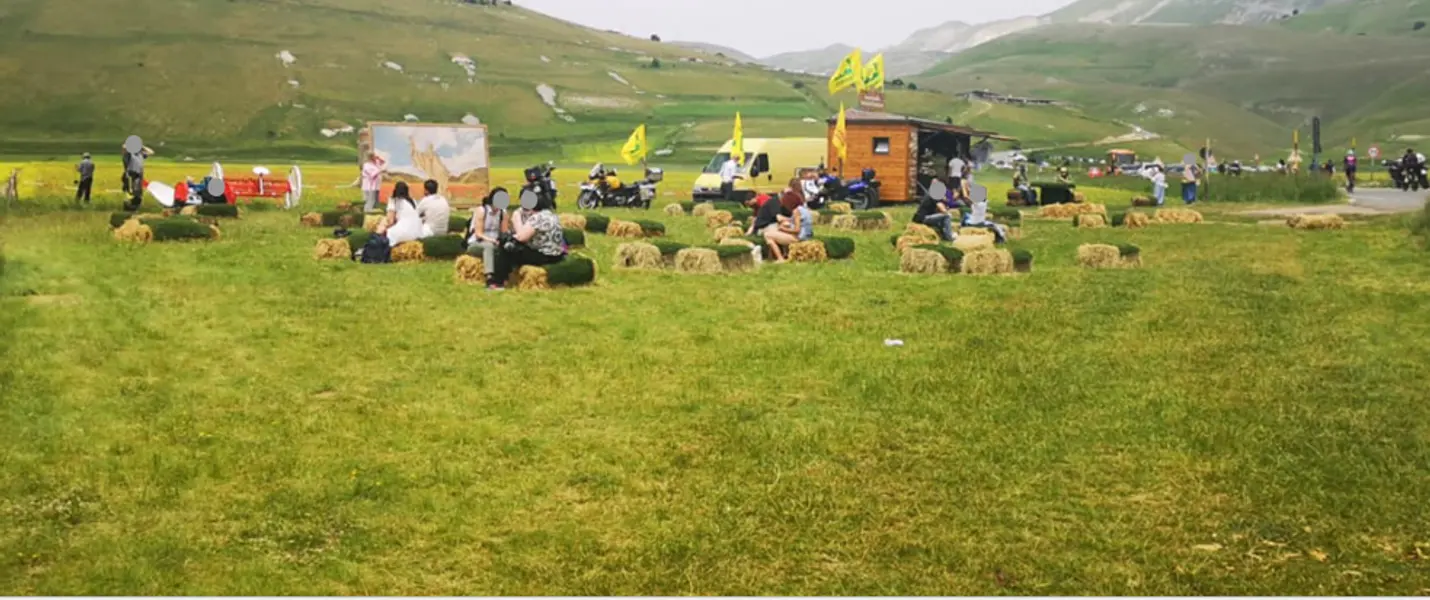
376	251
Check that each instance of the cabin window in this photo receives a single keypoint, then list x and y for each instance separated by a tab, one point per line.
881	146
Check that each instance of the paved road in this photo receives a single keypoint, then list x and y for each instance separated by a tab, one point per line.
1389	200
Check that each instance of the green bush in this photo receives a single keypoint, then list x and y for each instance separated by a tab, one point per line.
573	271
741	214
869	215
1007	216
1022	256
178	228
457	224
652	228
443	247
575	238
358	238
1119	218
687	206
838	248
1126	250
227	211
342	218
1272	187
728	251
954	256
667	247
596	223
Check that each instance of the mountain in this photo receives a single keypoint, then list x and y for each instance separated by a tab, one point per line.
1373	17
1184	12
1246	87
293	78
817	62
717	50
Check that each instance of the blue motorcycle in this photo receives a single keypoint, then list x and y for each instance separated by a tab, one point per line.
861	193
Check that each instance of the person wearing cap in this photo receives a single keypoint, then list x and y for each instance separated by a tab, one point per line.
85	168
1350	168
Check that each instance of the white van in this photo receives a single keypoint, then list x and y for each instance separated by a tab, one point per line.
769	165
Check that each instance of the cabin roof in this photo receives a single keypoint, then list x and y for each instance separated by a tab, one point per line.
866	117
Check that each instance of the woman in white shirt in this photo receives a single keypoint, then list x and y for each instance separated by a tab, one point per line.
404	223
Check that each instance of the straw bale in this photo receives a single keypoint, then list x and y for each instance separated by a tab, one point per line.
976	231
718	218
1314	222
189	211
470	269
923	262
845	222
370	222
1099	256
987	262
974	243
1137	220
808	252
311	219
529	278
700	261
728	231
1177	216
572	222
702	209
1091	221
638	256
624	229
842	208
409	252
332	249
674	210
922	231
134	230
737	241
1079	198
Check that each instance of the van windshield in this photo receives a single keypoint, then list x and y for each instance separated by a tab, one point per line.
719	161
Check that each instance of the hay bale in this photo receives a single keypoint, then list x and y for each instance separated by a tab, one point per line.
674	210
728	231
443	247
735	258
370	222
311	219
1099	256
808	252
1022	261
842	208
572	221
923	262
1079	198
871	220
573	271
973	243
624	229
1316	222
976	231
179	228
1175	216
702	209
698	261
332	249
1091	221
987	262
345	206
1143	201
470	269
719	218
529	278
409	252
906	241
638	256
921	231
1137	220
737	241
189	211
845	222
134	230
651	228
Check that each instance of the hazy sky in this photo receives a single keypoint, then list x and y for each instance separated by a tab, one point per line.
765	27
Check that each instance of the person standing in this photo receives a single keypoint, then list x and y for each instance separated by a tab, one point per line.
134	174
436	212
85	168
729	171
1191	174
1350	168
371	182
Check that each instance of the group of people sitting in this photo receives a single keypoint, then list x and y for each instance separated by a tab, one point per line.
785	220
937	213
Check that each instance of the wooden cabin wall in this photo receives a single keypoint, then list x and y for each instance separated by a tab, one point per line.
896	170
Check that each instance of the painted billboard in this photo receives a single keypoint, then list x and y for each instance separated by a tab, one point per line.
455	155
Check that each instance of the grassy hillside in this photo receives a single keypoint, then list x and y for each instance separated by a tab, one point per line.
1245	87
1370	17
1185	12
203	77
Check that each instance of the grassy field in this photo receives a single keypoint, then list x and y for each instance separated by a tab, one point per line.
1240	416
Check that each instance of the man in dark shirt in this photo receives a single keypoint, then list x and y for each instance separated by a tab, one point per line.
85	168
933	213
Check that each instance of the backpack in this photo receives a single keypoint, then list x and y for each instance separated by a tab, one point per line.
376	251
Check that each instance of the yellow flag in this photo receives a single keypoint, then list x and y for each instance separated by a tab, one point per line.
873	74
635	149
1296	138
848	74
841	137
737	149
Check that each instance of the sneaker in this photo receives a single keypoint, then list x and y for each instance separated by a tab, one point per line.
496	288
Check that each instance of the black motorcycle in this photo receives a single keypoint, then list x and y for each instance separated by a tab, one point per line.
538	180
861	193
598	190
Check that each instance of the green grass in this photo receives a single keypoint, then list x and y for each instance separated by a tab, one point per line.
234	417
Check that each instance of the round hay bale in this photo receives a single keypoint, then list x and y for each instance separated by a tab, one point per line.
332	249
808	252
728	231
189	211
311	219
1177	216
1137	220
842	208
1098	256
624	229
370	222
1090	221
572	221
409	252
134	230
674	210
845	222
702	209
974	243
529	278
697	261
923	262
1316	222
470	269
737	241
638	256
987	262
718	218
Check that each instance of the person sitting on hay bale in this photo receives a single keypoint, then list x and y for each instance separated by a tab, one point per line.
756	203
788	231
484	233
404	223
536	240
1028	196
768	220
934	213
978	215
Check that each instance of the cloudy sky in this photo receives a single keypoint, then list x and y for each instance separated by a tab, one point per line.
765	27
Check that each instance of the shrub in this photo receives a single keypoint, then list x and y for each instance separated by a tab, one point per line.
596	223
954	256
838	248
1126	250
726	252
457	224
1311	189
741	214
117	219
667	247
688	207
575	238
226	211
178	228
443	247
652	228
575	270
1119	218
1022	257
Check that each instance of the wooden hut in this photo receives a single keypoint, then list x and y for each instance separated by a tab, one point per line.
896	146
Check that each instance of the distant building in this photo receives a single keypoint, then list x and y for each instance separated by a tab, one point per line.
988	96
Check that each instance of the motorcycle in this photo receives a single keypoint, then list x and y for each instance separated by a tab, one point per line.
538	180
861	193
603	188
